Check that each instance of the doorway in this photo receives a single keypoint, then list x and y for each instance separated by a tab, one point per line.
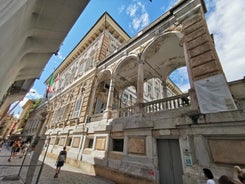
169	161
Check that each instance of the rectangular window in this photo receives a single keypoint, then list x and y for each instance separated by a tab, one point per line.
53	117
149	89
57	141
77	109
50	117
66	112
86	64
36	124
90	142
68	141
62	141
68	78
60	115
100	106
61	83
81	67
52	140
125	98
117	145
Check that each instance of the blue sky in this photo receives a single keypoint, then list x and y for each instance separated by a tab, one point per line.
224	21
131	15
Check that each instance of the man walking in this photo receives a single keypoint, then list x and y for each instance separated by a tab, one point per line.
60	161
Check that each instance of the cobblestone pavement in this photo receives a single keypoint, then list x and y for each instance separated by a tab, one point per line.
68	175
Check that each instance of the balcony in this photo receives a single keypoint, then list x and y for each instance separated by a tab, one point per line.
170	103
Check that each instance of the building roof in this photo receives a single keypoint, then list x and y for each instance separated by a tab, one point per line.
105	22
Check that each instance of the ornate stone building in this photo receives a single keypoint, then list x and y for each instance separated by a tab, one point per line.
6	126
26	108
121	117
35	126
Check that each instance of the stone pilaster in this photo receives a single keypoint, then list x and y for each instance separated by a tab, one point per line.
206	74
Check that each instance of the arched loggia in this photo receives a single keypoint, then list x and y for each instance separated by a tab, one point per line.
131	77
161	57
101	91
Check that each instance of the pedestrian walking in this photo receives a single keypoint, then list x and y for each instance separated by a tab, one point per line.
24	149
60	161
15	148
209	175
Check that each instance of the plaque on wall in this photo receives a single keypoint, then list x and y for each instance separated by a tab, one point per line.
100	143
62	141
76	141
228	151
137	145
214	95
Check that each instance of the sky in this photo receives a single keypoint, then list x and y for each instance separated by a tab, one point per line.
225	21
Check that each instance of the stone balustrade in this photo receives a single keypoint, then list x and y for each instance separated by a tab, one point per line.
169	103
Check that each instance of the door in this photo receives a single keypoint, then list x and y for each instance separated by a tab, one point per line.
169	158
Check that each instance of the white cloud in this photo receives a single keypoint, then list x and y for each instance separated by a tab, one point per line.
141	22
139	15
226	21
180	78
121	9
132	10
184	87
22	102
32	94
17	115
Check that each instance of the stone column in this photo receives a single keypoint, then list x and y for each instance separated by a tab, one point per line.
91	104
34	160
108	112
164	89
140	86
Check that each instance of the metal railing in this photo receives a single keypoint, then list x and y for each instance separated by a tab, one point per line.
18	168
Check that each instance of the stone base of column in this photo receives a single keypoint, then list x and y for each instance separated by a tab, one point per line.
194	102
107	114
139	108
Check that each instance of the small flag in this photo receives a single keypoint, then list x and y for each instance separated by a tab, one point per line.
50	83
56	83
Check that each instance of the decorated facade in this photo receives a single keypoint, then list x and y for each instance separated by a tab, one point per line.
120	116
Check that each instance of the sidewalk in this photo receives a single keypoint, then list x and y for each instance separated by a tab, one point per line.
68	175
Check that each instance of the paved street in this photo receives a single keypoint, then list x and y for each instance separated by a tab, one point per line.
68	174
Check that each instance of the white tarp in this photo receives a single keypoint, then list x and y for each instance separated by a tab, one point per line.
214	95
